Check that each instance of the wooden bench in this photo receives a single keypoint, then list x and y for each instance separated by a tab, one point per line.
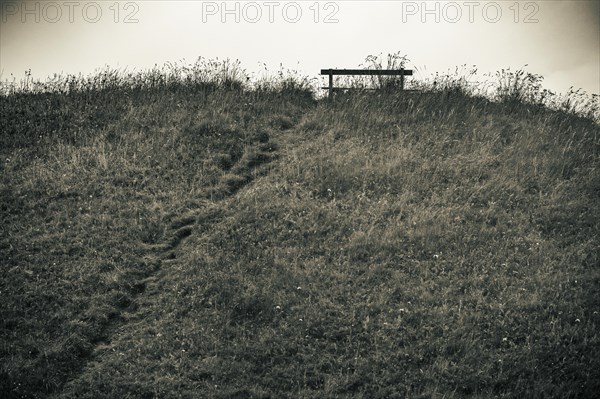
364	72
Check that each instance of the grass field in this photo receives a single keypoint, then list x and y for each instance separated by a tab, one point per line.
184	236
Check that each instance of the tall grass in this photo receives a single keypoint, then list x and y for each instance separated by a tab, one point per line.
94	172
505	86
189	232
512	88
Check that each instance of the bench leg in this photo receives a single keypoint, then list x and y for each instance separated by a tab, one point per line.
330	85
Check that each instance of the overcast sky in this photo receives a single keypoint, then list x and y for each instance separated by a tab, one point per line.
559	40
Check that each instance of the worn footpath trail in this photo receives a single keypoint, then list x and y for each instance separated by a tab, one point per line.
166	256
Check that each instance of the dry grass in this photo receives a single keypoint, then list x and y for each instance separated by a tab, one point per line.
174	242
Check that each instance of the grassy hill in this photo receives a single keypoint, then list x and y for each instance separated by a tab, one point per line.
173	238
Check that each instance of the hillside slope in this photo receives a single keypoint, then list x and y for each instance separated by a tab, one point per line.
227	244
